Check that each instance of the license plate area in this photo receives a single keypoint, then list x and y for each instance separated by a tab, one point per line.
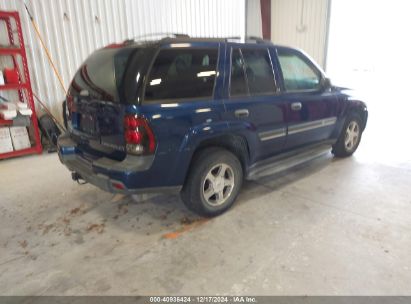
87	123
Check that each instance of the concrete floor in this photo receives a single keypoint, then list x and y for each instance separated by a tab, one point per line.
330	227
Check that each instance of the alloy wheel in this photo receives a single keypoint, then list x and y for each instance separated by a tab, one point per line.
218	184
352	136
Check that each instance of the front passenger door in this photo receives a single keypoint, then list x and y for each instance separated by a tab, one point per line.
311	108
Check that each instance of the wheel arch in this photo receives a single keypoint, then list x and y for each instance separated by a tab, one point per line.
233	143
356	106
360	109
352	107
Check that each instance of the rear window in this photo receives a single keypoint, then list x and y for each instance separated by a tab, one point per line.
238	85
182	73
259	71
251	73
102	74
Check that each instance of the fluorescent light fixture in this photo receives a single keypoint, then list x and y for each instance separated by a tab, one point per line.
204	110
169	105
156	116
205	73
155	81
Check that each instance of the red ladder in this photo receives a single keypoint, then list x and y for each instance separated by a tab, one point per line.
24	85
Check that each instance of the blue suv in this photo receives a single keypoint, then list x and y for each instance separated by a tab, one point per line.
197	116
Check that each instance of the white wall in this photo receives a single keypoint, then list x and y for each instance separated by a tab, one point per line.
301	24
72	29
254	22
361	50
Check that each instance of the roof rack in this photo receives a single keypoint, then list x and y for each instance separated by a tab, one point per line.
247	39
146	37
256	39
153	37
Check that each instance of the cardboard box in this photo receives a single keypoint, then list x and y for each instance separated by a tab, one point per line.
20	138
5	140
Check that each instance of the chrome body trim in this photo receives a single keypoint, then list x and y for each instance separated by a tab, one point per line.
297	128
307	126
272	134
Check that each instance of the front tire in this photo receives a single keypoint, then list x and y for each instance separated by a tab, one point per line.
213	182
350	137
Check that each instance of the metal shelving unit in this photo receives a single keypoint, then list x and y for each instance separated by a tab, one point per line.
16	49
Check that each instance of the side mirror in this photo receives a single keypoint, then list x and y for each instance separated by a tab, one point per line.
326	83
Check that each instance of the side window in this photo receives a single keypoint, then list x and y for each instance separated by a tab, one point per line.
259	71
238	84
182	73
298	74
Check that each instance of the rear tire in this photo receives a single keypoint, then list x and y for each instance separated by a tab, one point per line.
213	182
350	136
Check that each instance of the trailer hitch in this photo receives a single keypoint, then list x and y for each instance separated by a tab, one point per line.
77	177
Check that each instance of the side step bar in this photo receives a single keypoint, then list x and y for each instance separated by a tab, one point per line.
286	161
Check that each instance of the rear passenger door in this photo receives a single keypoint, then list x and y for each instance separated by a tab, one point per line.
253	105
311	107
180	101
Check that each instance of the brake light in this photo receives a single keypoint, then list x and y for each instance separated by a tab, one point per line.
69	105
119	45
114	46
133	137
138	135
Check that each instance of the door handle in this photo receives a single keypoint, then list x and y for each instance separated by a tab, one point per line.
241	113
296	106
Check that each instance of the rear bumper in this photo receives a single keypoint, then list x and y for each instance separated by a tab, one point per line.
107	174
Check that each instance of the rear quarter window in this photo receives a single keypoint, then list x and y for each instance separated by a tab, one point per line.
182	74
102	74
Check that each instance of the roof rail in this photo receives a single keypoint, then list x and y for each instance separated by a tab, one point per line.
159	36
232	38
247	39
255	38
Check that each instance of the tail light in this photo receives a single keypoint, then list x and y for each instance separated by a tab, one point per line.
69	106
119	45
139	137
